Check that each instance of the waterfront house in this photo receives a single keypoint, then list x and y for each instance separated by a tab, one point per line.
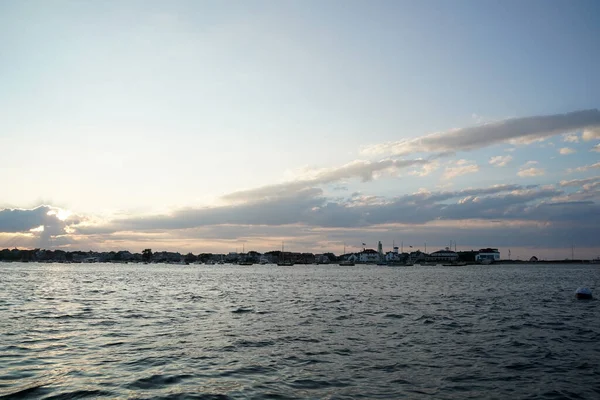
368	256
416	257
487	255
445	255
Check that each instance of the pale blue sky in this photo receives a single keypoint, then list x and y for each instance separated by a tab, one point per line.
135	107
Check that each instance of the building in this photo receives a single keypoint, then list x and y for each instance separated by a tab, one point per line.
487	255
416	256
445	255
368	256
322	259
393	256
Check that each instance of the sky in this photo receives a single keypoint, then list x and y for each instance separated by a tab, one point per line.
209	126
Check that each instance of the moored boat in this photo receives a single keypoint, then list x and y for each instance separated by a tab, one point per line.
583	293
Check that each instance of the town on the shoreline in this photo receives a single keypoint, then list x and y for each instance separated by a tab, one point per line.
444	256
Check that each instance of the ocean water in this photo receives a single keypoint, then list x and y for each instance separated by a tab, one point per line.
219	332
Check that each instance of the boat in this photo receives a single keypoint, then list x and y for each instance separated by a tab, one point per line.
283	262
583	293
455	264
346	263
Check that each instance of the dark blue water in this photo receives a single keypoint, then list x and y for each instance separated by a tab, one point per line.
212	332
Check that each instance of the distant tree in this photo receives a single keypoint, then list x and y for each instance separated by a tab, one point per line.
205	257
332	257
467	256
147	255
190	258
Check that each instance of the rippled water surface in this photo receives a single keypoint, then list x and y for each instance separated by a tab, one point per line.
170	331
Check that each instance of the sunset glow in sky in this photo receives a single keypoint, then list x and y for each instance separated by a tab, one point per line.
204	125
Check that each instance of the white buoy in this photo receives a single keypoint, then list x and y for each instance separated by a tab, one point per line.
583	293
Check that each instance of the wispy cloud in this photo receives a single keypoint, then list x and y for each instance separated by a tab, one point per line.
517	130
566	151
500	161
586	184
580	182
596	148
461	167
591	133
361	169
571	138
527	170
427	169
584	168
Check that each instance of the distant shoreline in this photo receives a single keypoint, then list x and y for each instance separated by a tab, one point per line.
371	257
423	264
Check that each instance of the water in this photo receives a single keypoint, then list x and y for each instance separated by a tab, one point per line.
218	332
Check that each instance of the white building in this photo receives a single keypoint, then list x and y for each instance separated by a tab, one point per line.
368	256
487	255
391	256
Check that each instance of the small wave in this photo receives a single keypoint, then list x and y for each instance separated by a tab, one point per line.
35	389
316	384
390	367
155	381
343	352
343	317
249	370
402	381
80	394
395	316
521	366
242	310
112	344
316	353
254	343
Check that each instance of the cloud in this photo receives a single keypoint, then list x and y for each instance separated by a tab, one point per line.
500	161
515	130
307	217
580	182
312	209
52	219
44	222
462	167
596	148
584	168
591	133
362	169
566	151
427	169
570	138
529	172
